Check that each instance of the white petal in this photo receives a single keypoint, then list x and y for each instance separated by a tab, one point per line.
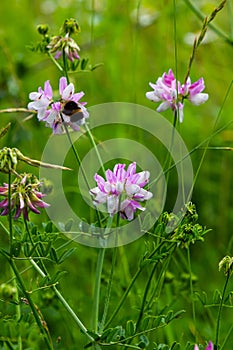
143	177
163	106
198	99
112	204
152	96
68	92
34	95
131	189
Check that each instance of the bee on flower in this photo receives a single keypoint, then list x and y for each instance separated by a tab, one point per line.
68	110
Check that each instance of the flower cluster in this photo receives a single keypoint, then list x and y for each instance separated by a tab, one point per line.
172	94
122	191
25	196
210	346
68	110
66	44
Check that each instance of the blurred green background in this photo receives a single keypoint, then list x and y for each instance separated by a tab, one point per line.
135	41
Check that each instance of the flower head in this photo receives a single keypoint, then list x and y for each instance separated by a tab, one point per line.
210	346
25	196
172	94
56	113
66	44
122	190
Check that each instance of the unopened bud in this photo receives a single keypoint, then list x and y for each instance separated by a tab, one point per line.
70	26
227	264
43	29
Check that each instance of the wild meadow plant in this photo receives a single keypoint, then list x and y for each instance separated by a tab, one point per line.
124	193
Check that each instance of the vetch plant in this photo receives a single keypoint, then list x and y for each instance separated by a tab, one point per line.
132	305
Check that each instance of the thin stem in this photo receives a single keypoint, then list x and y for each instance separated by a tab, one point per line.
191	285
65	70
95	147
147	288
55	62
99	268
76	154
134	278
45	273
227	337
98	274
32	306
64	302
145	296
109	288
18	309
124	296
9	211
220	308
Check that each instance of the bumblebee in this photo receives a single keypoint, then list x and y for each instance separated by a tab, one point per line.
72	110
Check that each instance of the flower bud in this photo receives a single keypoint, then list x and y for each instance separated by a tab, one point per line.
43	29
8	159
70	26
227	264
7	291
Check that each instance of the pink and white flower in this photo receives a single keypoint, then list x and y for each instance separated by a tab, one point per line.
122	190
25	196
172	94
210	346
66	44
52	112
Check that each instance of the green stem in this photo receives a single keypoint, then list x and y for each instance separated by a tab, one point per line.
45	273
159	278
227	337
95	147
64	302
220	308
99	268
32	306
124	296
81	167
9	212
98	274
65	70
148	285
107	299
145	296
191	285
55	62
18	309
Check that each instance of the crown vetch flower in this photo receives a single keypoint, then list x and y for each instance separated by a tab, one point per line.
210	346
53	113
172	94
122	190
60	44
25	196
